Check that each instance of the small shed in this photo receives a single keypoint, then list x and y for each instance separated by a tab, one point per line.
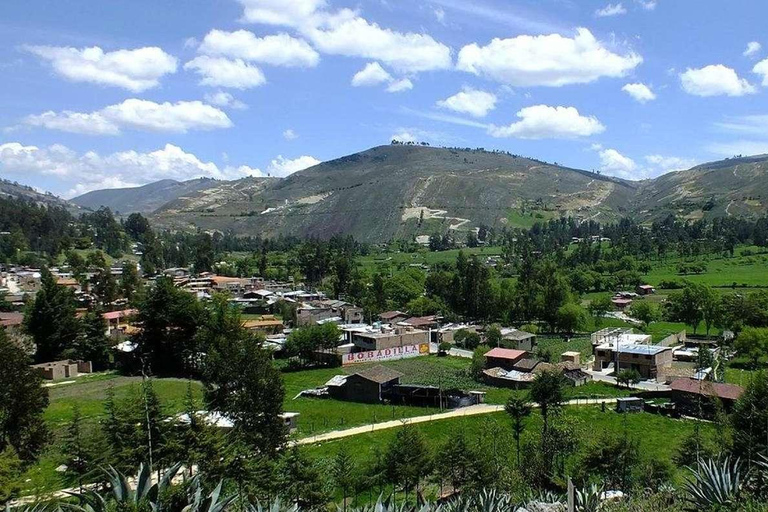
629	404
571	357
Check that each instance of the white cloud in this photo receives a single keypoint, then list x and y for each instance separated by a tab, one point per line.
223	72
292	13
275	50
648	5
548	60
403	136
179	117
77	173
761	68
753	48
225	100
753	125
439	15
611	10
345	32
470	101
281	166
136	70
739	147
371	75
640	92
715	80
614	163
402	85
289	134
545	122
663	164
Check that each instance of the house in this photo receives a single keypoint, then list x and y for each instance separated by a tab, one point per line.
571	357
446	333
268	324
645	289
504	358
392	317
118	320
621	303
422	322
368	385
692	396
517	339
11	320
66	369
384	339
338	311
626	353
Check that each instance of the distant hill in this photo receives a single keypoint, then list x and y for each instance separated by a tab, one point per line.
408	190
16	190
400	190
732	187
145	199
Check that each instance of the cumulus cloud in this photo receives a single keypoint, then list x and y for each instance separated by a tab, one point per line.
135	70
611	10
640	92
374	74
345	32
753	48
663	164
371	75
761	68
470	101
715	80
225	100
77	173
402	85
282	166
614	163
223	72
545	122
548	60
135	114
289	134
648	5
275	50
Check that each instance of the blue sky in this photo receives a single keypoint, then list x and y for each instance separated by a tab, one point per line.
108	94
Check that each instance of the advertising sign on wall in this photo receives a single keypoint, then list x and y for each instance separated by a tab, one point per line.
387	354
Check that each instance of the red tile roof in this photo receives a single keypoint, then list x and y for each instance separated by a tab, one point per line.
707	388
506	353
114	315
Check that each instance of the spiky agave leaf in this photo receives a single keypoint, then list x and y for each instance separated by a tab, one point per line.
714	483
588	499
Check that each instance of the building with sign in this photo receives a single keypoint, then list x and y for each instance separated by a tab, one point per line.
389	338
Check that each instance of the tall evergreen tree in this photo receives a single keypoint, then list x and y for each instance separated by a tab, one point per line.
51	319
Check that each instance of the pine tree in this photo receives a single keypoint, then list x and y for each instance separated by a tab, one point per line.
344	471
93	344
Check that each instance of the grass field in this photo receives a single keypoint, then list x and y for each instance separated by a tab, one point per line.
659	437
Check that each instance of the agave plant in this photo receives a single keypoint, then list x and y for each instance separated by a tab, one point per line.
211	503
714	483
275	506
123	493
589	498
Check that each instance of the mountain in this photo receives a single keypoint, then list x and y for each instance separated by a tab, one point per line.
409	190
17	190
402	190
144	199
732	187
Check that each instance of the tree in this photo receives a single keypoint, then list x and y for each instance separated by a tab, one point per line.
493	337
628	377
467	339
571	318
613	458
22	402
686	306
599	307
169	318
752	343
93	344
344	471
478	362
301	480
240	380
129	280
74	449
408	459
548	390
204	253
136	226
518	410
10	469
104	285
750	419
645	311
304	342
51	318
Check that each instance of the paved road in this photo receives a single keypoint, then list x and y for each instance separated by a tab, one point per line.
473	410
640	386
